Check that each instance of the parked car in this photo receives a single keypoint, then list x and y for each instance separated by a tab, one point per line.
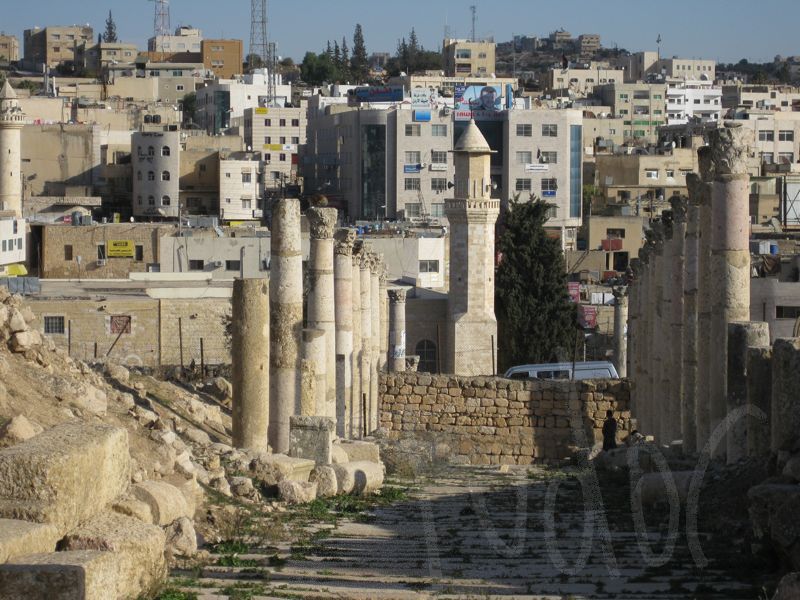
600	369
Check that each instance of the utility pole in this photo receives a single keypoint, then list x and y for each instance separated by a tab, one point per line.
474	10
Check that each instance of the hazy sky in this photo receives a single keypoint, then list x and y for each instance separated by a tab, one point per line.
725	30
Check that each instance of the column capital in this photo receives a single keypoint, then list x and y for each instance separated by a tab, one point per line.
344	240
680	205
620	293
699	192
397	295
730	149
322	222
376	263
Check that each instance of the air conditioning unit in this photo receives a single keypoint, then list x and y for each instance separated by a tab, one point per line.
101	262
217	264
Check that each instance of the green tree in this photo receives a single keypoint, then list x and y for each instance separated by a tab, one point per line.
317	69
359	63
189	107
344	65
110	35
537	322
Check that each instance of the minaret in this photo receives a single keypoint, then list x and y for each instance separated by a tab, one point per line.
11	122
471	323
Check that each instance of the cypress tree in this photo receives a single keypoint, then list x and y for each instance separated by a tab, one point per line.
110	35
359	63
537	322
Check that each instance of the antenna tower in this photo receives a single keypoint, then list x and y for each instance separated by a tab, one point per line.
161	20
259	43
474	10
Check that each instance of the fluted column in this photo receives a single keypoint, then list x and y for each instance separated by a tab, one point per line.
250	362
376	269
313	396
659	393
356	411
675	351
383	350
620	330
397	331
343	296
321	304
286	320
690	318
705	288
730	252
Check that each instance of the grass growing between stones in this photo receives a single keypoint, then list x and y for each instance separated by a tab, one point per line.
172	593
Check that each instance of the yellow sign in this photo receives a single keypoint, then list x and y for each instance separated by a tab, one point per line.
273	147
120	249
261	110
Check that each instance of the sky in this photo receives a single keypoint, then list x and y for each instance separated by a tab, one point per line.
724	30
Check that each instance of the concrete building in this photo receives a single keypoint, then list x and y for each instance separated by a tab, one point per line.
222	57
581	80
766	97
155	81
618	237
641	106
199	172
693	100
242	253
156	158
220	103
53	45
647	64
241	188
446	85
468	58
418	261
588	44
279	134
13	246
94	59
185	39
9	48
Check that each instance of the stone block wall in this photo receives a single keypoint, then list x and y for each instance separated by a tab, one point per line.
490	420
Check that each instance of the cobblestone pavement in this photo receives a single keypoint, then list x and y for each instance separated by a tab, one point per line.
470	532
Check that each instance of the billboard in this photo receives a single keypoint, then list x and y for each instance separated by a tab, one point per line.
423	97
120	249
373	93
479	102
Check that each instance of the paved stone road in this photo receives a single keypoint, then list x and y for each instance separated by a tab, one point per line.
476	533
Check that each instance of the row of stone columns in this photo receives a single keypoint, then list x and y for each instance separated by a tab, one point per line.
691	285
329	368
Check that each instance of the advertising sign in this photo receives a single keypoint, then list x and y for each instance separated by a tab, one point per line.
261	110
482	103
389	93
537	167
422	97
412	168
422	116
120	249
587	316
574	289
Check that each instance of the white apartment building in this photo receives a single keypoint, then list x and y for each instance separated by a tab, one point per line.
241	190
156	160
278	134
219	103
691	100
766	97
644	65
12	246
580	81
186	39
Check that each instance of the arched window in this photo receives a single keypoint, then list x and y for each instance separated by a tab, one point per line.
165	201
151	151
151	176
164	175
426	350
165	151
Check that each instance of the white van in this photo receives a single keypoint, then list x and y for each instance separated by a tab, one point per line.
600	369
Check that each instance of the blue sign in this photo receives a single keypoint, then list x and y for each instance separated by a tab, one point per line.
549	194
412	168
422	116
392	93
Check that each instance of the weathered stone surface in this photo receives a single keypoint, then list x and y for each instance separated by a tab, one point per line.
360	450
360	477
181	538
788	588
118	372
25	340
311	437
274	468
64	475
20	538
297	492
167	503
191	490
325	478
77	575
242	487
17	430
792	468
785	416
140	565
654	488
17	322
338	454
131	507
765	500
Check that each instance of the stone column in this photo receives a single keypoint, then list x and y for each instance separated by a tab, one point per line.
354	410
620	330
634	332
250	362
397	330
659	341
366	338
384	304
690	320
675	291
321	303
314	394
785	411
376	269
286	320
741	336
704	294
730	252
759	395
343	296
